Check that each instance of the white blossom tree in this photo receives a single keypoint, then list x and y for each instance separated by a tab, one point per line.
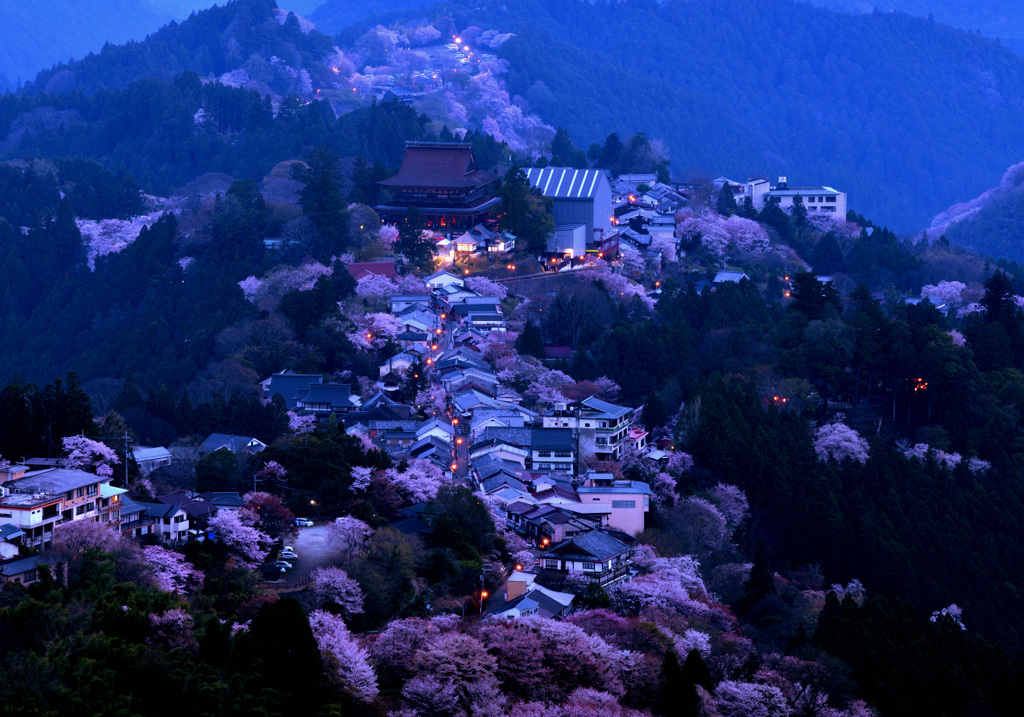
171	571
89	455
248	545
485	287
837	441
334	584
348	537
346	660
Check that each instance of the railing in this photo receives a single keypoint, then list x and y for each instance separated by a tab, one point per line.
284	585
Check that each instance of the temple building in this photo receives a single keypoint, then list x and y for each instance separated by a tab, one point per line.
443	181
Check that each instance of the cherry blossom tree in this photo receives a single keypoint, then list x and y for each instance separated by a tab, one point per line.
432	399
334	584
89	455
463	662
837	441
425	34
485	287
666	247
301	424
75	537
374	331
364	440
171	572
234	528
952	613
172	629
345	660
362	477
348	537
679	463
632	260
377	290
746	699
949	293
664	487
419	482
958	338
396	647
731	503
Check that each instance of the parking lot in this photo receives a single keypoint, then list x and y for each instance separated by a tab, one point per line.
310	545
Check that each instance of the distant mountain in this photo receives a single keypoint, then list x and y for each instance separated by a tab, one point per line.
1003	19
248	43
906	115
334	16
991	224
36	35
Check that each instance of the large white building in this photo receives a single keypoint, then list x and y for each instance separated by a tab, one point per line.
579	196
819	201
33	503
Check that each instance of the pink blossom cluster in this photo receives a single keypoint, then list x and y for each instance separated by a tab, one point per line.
853	589
425	34
972	308
110	236
171	572
433	400
346	660
234	528
375	330
362	478
266	292
348	537
920	452
840	442
419	483
723	236
485	287
89	455
363	439
748	699
958	212
376	288
949	293
670	584
301	424
958	338
619	288
953	612
632	260
334	585
666	246
494	39
731	503
387	235
172	628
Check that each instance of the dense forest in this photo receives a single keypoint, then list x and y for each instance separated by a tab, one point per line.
995	18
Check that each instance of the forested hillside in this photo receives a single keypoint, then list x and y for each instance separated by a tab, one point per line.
994	18
39	34
906	115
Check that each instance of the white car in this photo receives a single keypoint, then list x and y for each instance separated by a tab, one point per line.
288	555
303	523
284	565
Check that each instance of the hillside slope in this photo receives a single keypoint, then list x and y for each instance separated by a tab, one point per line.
906	115
994	18
36	35
991	224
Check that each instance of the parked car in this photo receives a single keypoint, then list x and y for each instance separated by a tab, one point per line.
284	565
303	523
288	555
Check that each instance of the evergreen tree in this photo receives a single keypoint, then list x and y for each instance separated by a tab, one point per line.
322	200
726	203
418	249
530	342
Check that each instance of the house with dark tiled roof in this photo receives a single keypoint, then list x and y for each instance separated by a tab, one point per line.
323	399
600	557
288	384
229	442
552	449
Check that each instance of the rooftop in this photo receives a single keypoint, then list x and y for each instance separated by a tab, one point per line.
439	164
566	182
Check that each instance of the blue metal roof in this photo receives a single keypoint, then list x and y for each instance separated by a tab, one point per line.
566	182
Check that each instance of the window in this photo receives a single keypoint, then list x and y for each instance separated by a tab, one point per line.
623	504
91	490
179	518
544	454
70	495
80	492
589	566
90	507
79	510
563	454
810	200
830	199
602	441
551	564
